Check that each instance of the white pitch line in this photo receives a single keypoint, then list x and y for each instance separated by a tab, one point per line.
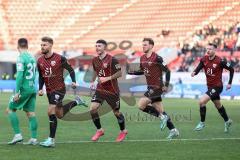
146	140
152	140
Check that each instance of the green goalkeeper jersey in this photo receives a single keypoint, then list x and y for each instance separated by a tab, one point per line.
26	74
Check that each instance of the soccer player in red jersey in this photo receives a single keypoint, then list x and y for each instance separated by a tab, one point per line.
213	67
152	66
107	69
51	66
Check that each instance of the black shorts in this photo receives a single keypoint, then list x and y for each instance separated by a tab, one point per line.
112	99
56	97
155	95
214	93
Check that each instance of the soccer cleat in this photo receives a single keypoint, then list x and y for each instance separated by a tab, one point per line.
163	122
173	134
97	135
80	101
227	125
16	139
48	143
31	141
200	126
122	135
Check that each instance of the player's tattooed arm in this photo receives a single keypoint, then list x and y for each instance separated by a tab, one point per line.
69	68
228	66
198	69
165	68
116	75
131	72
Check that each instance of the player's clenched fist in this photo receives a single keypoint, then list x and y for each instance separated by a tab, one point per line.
40	92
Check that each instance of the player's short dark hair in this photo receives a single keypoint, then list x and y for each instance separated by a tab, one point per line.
47	39
23	43
102	42
213	44
150	40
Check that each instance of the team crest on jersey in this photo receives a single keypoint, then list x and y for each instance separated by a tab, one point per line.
214	65
53	63
105	65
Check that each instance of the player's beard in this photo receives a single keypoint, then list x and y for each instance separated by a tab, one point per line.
45	52
146	51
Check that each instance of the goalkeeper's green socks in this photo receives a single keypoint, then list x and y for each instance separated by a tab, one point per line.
14	122
33	126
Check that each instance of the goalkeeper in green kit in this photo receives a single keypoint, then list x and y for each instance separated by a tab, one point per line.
25	95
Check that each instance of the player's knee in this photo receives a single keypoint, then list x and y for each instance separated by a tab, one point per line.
9	111
30	114
201	103
94	108
51	111
217	105
141	105
59	114
116	112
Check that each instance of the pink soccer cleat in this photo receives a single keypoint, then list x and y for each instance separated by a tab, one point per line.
122	135
97	135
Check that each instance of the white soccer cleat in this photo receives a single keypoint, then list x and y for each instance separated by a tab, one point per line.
227	125
48	143
16	139
200	126
31	141
163	122
80	102
173	134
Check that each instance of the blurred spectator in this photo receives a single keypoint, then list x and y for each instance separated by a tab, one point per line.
5	76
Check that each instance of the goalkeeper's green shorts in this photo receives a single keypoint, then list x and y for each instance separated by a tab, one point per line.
26	102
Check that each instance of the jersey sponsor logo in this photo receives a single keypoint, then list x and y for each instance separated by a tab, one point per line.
150	63
20	67
53	63
214	65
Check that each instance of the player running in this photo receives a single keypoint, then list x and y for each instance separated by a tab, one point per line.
152	66
107	69
213	67
51	66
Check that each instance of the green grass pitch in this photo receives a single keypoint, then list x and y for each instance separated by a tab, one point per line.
144	141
